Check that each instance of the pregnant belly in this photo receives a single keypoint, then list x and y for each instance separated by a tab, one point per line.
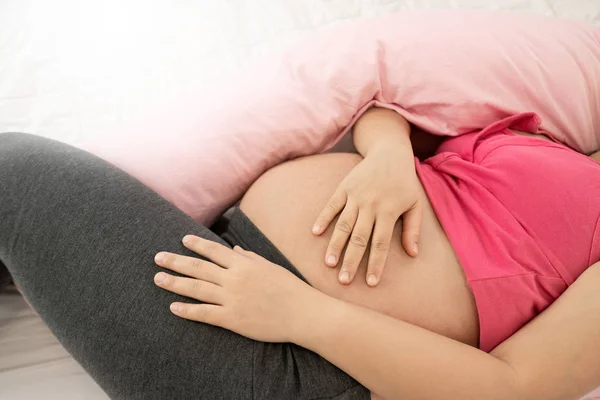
429	291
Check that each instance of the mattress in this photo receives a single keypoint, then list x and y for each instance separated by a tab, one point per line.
70	70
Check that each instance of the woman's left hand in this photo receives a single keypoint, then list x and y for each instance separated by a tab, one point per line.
242	291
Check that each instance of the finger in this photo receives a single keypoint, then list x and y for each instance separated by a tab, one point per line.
357	246
194	288
380	246
247	253
238	249
190	266
333	207
207	313
411	229
341	233
216	252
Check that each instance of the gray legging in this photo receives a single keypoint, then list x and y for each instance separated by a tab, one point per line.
79	237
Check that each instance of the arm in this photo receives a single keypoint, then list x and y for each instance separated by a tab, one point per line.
555	357
379	125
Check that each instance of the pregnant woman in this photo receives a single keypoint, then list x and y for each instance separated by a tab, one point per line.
497	225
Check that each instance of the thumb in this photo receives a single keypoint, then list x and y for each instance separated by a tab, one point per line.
411	229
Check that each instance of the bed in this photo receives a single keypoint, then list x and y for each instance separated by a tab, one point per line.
71	70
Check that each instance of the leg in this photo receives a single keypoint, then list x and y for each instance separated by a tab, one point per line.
79	236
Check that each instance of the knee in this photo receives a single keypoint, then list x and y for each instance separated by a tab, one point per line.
20	154
13	144
18	149
9	148
13	137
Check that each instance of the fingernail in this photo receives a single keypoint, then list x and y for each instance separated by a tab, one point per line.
331	260
187	239
344	277
316	229
160	278
159	257
415	247
176	308
372	280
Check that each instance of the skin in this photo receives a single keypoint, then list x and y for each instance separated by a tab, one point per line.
430	290
413	334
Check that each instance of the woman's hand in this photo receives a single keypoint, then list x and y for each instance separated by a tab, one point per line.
380	189
243	292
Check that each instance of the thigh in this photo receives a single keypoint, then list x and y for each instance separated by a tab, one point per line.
430	291
79	237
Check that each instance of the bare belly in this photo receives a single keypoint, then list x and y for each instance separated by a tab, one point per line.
429	291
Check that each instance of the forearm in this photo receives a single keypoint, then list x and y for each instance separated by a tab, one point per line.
398	360
381	127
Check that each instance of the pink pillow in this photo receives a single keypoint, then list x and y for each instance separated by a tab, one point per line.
448	72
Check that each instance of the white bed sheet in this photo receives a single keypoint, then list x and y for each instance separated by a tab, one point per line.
70	69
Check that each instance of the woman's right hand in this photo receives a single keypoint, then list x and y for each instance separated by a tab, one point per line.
375	194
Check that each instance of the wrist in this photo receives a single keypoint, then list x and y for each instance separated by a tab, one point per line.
394	145
314	314
378	126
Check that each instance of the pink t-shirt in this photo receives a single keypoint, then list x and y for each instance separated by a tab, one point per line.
522	215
